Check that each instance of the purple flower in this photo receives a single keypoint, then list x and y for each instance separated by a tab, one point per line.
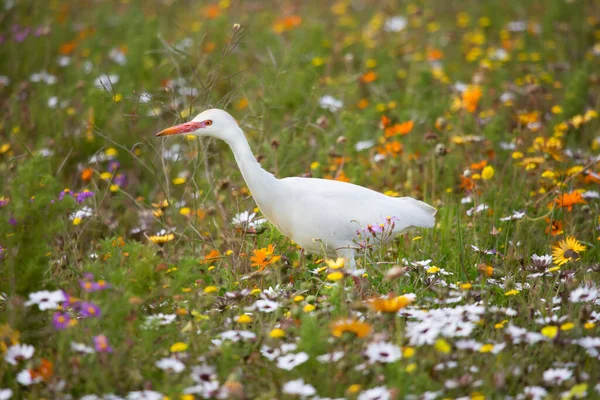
70	300
80	197
88	309
113	165
120	180
62	321
62	194
3	202
12	221
91	286
101	344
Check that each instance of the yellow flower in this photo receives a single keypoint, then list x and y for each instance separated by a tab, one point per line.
210	289
567	250
185	211
550	331
487	173
178	181
354	388
390	304
567	326
244	319
408	352
442	346
76	221
298	298
466	286
335	276
486	348
277	333
433	270
161	238
410	368
511	292
337	264
178	347
341	326
308	308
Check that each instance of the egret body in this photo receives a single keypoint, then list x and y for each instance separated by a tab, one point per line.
318	214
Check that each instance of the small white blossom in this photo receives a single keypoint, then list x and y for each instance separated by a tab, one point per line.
299	388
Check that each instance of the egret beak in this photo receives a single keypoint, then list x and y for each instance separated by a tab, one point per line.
182	128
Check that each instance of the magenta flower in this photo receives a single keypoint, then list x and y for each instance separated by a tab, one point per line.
88	309
101	344
62	320
88	284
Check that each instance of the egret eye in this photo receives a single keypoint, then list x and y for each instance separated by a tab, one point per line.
208	122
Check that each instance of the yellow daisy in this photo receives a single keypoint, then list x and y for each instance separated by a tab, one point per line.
567	250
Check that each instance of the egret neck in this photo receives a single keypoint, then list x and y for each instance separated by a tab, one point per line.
264	186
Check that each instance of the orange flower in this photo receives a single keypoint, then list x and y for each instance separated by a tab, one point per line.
86	174
287	23
341	176
362	104
67	48
568	200
393	148
44	371
466	183
385	121
368	77
209	47
435	55
555	227
264	257
399	129
212	11
470	98
210	257
479	165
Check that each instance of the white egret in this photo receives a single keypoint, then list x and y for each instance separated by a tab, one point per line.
318	214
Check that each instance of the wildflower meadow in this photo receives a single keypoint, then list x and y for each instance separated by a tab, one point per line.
140	267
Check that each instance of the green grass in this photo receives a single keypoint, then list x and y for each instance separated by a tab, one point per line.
449	71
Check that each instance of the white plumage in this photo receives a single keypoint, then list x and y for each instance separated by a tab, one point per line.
318	214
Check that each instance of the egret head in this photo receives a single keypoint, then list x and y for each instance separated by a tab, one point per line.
214	122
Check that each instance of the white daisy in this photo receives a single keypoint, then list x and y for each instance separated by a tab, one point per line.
299	388
535	392
5	394
330	103
330	357
160	319
557	376
247	220
266	306
81	348
24	378
145	395
292	360
203	373
46	300
584	293
383	352
377	393
170	364
236	335
364	145
395	24
18	352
